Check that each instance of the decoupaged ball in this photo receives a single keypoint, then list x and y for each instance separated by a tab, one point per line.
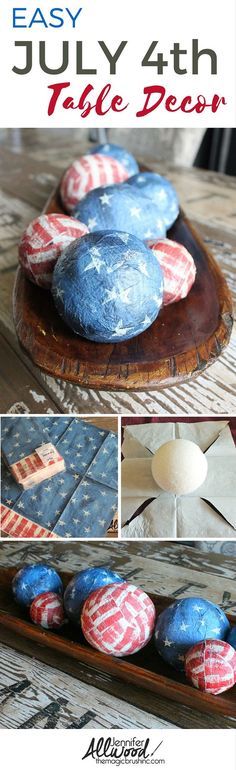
82	585
47	611
178	266
184	624
35	579
108	286
119	153
42	243
121	207
211	666
87	173
179	466
118	619
160	191
231	638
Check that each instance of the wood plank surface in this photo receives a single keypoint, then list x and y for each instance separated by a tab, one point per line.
166	568
209	201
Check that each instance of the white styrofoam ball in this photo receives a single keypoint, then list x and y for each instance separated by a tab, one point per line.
179	466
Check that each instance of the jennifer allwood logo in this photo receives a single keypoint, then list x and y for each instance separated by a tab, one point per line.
129	751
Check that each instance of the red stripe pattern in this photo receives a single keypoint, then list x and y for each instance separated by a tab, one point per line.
15	525
47	611
178	268
42	243
118	619
211	666
85	174
32	469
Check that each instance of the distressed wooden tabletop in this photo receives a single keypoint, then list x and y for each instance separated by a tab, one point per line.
41	689
30	166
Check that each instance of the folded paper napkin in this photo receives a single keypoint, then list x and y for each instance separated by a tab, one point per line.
209	511
79	502
41	464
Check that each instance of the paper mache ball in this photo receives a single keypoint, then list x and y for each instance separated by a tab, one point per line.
108	286
47	611
178	266
160	191
119	153
118	619
82	585
179	466
85	174
35	579
231	638
211	666
184	624
121	207
42	243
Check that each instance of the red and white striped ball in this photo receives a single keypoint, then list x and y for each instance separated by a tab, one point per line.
42	243
85	174
47	611
118	619
211	666
178	267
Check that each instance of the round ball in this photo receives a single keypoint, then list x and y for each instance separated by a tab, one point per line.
85	174
178	267
160	191
108	287
42	243
184	624
179	466
231	638
211	666
118	619
119	153
121	207
47	611
82	585
33	580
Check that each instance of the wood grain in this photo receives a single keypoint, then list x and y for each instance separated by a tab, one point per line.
185	339
145	669
163	568
209	201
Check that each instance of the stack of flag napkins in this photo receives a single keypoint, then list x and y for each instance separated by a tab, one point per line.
41	464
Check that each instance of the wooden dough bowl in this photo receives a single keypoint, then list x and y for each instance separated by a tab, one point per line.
187	337
145	669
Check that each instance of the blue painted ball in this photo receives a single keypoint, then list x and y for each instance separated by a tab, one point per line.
35	579
108	286
121	207
184	624
231	638
160	191
119	153
83	584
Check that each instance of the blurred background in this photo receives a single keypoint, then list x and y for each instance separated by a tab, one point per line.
212	149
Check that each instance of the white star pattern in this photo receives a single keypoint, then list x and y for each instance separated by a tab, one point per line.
92	223
120	330
135	212
105	199
143	268
95	264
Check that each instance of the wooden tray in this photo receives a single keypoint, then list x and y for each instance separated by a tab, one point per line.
145	669
187	336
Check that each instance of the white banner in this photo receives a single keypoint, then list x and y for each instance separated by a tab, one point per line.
170	749
103	63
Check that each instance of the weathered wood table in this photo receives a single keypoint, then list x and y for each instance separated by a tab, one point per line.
29	170
41	689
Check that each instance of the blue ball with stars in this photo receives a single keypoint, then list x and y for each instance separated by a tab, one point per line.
231	638
119	153
184	624
82	585
108	286
121	207
160	191
35	579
